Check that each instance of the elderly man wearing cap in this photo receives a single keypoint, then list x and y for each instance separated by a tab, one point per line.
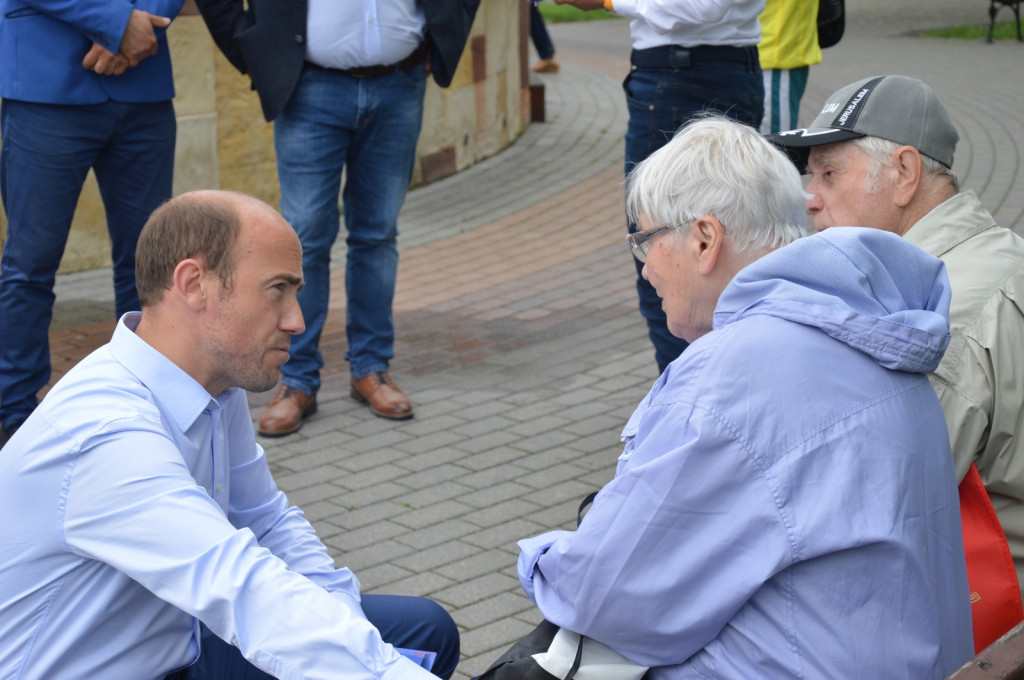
879	155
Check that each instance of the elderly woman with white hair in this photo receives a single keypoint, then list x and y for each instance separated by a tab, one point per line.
785	505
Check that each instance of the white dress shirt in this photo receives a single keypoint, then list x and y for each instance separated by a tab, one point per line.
692	22
135	504
357	33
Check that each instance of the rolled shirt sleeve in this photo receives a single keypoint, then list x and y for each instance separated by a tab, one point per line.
669	14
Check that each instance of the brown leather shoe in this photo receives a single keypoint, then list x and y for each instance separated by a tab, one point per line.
546	66
382	395
286	411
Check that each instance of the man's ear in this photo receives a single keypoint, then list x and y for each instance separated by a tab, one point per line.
189	284
708	237
909	170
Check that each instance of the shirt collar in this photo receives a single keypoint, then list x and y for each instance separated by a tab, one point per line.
958	218
177	393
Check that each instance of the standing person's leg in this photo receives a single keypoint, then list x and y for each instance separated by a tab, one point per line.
660	101
45	155
135	173
775	94
797	86
648	129
783	90
380	163
311	138
542	42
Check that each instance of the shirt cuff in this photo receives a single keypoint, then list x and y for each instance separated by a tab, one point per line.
530	552
404	669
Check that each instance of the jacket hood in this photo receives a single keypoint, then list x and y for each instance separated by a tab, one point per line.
868	288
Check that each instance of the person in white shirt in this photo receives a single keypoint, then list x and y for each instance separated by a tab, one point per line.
144	534
689	57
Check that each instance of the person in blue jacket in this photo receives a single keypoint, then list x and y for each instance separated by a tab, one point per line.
84	84
785	505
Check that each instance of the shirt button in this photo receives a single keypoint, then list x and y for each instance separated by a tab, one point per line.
219	487
299	39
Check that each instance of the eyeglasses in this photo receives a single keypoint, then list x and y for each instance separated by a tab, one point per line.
640	241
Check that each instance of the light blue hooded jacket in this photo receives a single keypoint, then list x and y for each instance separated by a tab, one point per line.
786	505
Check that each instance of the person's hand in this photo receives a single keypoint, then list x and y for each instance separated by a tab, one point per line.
139	39
104	62
585	5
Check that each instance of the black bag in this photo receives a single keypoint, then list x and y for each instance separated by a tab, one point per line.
831	22
518	663
553	653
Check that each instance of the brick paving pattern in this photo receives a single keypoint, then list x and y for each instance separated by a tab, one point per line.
518	336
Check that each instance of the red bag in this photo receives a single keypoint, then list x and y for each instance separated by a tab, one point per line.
995	595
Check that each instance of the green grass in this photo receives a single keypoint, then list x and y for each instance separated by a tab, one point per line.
1004	30
556	14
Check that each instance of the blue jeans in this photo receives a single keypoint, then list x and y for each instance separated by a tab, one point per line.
370	125
409	622
660	100
46	153
539	34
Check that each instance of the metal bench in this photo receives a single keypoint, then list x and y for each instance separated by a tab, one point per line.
1002	660
993	8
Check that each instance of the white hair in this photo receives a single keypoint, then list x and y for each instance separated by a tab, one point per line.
718	167
880	153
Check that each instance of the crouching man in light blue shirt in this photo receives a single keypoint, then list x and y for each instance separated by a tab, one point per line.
785	505
142	528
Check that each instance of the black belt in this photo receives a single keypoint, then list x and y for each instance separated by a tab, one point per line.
417	57
677	56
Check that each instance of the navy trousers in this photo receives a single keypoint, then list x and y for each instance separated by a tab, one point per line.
409	622
539	34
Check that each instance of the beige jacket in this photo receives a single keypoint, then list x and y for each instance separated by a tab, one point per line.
980	380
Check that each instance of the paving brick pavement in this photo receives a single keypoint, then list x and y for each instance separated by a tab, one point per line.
518	337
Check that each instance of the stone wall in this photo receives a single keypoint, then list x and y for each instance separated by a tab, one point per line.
223	141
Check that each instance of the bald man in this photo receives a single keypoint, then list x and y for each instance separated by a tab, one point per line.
145	536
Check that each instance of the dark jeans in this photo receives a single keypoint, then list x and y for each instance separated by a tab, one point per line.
47	152
665	89
409	622
539	34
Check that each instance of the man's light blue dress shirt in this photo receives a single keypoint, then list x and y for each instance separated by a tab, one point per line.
135	504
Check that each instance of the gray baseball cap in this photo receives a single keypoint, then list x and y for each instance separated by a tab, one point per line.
901	109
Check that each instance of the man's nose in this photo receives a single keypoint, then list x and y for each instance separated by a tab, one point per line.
815	204
292	321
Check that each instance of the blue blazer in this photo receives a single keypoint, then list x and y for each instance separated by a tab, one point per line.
43	42
268	41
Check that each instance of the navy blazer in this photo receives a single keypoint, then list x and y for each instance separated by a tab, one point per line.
268	41
43	42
